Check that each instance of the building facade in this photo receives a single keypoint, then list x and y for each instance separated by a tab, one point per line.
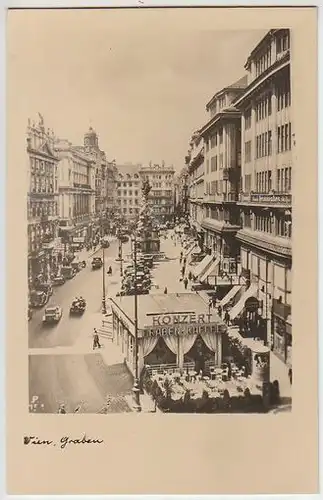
129	185
42	201
181	194
161	196
222	170
265	200
76	171
247	204
196	187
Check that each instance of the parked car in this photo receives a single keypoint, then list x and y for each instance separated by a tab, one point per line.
97	263
46	288
68	272
52	314
58	280
38	298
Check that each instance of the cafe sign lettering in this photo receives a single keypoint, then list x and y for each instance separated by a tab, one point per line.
180	319
180	324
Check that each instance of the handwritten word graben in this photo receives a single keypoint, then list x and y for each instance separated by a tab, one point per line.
63	442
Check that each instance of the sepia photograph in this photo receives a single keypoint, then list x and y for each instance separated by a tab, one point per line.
158	183
164	282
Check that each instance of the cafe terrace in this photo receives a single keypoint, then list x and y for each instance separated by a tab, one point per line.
168	324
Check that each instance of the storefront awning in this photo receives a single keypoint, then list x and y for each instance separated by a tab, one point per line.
211	270
230	295
190	248
201	266
237	309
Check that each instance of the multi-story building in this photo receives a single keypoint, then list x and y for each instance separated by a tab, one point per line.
266	184
181	194
129	185
196	187
248	161
91	147
222	164
76	171
161	196
42	207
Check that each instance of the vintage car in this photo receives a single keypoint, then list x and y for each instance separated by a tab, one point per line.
68	272
46	288
52	314
97	263
105	243
38	298
58	280
78	307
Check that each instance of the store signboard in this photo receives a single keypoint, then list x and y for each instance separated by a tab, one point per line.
180	323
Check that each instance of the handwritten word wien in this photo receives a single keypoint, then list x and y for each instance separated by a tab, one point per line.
63	442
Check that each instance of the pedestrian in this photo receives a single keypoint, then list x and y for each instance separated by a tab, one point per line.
185	283
290	375
184	261
227	317
165	289
96	340
181	256
190	276
180	260
220	311
183	271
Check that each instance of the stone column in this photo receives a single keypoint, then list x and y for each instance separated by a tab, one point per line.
253	146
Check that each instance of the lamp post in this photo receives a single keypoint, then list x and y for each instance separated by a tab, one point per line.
104	306
136	390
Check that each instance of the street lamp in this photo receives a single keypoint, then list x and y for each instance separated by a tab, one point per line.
104	306
136	390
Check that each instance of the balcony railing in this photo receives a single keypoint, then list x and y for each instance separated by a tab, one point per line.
266	198
222	197
81	186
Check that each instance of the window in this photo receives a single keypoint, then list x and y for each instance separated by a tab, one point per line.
214	140
269	181
213	163
289	187
221	161
207	166
221	136
130	193
284	138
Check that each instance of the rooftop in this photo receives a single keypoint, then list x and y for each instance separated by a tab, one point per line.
240	84
148	305
128	169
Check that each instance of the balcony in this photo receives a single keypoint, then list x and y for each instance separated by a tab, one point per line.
266	199
231	197
219	226
81	186
48	218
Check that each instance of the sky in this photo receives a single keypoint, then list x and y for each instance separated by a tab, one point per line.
141	85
